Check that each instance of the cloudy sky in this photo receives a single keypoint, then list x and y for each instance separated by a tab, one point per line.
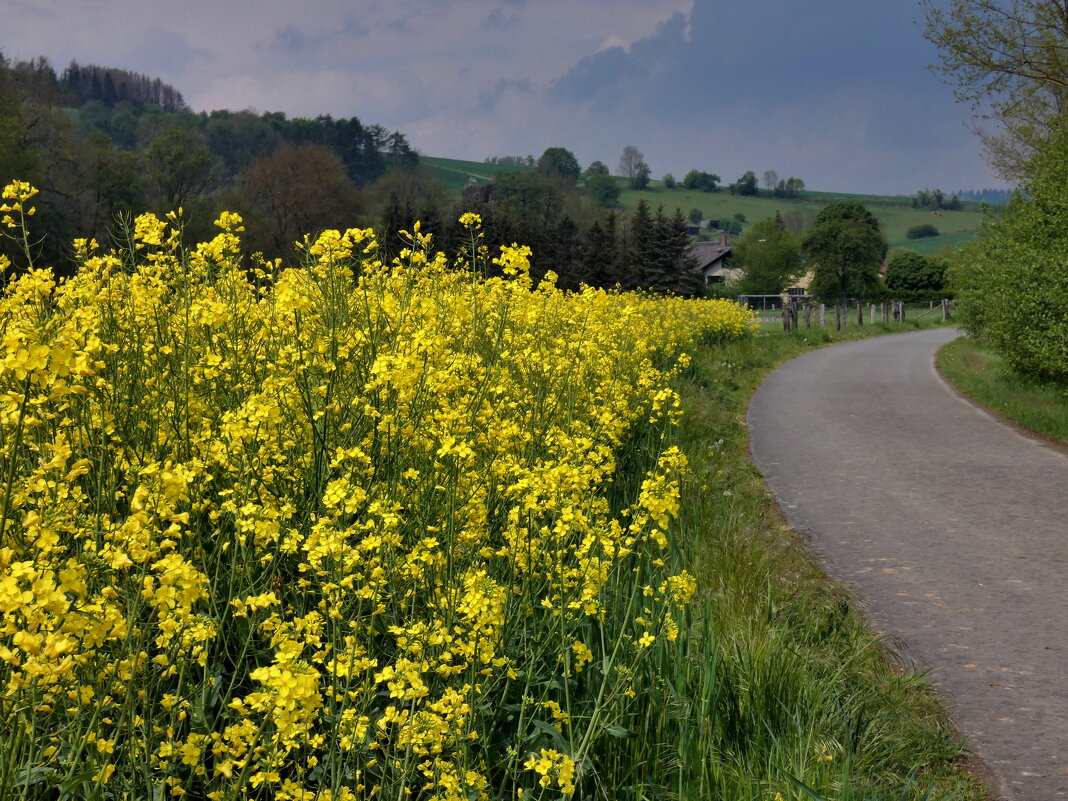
831	91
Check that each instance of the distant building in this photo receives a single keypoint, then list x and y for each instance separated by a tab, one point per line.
713	260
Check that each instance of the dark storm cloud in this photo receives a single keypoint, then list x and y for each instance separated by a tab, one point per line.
616	72
833	91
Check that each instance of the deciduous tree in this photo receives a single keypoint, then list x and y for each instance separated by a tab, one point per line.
845	249
700	181
911	271
633	167
746	185
603	189
560	161
847	210
296	190
770	257
1009	59
179	164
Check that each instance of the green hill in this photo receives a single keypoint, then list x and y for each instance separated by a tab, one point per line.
456	174
895	213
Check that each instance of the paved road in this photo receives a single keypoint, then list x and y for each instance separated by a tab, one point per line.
951	526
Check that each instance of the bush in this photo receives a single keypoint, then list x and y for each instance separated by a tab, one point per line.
1012	283
910	270
921	231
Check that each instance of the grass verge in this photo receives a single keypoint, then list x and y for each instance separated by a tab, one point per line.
783	692
983	375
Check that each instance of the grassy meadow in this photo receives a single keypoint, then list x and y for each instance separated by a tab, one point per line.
346	529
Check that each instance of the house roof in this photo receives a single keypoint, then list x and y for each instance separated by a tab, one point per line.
707	254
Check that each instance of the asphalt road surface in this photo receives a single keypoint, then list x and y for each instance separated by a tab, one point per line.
951	527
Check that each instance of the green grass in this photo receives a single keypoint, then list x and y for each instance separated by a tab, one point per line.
780	668
931	245
983	375
457	173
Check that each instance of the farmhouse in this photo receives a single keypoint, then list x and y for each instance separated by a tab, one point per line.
712	260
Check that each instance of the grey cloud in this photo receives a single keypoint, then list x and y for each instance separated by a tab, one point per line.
610	75
171	55
499	20
292	39
489	99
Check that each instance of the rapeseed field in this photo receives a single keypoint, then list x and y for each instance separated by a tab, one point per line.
341	529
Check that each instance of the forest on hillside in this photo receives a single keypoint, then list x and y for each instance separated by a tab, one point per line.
105	144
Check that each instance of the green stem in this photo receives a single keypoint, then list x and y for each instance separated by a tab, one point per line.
9	479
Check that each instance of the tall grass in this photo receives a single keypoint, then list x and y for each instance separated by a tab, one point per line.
781	689
982	374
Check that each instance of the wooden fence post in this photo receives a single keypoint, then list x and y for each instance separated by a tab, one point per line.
945	309
837	316
860	313
823	315
871	313
808	315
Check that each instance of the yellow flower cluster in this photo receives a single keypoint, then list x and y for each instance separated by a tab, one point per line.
335	531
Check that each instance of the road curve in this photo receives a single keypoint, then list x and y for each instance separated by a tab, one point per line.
950	525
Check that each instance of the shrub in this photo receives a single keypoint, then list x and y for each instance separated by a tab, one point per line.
921	231
1012	282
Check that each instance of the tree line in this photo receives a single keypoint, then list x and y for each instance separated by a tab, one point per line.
112	86
102	143
561	217
935	200
842	253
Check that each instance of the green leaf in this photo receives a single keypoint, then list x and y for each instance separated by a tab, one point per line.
620	732
804	788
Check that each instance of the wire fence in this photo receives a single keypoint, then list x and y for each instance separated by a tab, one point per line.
795	310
